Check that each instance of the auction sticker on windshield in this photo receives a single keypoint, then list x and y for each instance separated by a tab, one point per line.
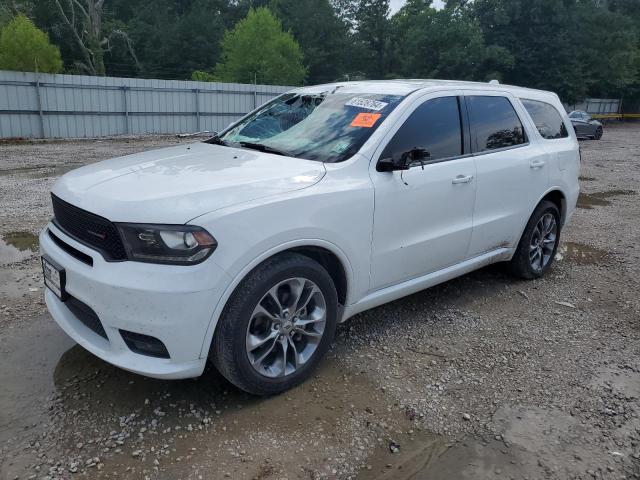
365	120
367	103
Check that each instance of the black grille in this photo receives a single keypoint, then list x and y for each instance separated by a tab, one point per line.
86	315
92	230
75	253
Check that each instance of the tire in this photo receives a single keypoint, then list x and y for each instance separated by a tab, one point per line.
598	134
252	315
526	263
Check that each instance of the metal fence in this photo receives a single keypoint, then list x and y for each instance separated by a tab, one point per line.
73	106
602	106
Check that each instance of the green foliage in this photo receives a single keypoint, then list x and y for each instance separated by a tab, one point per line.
200	76
25	48
258	48
572	47
171	39
447	44
373	37
321	35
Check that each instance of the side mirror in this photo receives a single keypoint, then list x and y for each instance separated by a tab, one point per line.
405	161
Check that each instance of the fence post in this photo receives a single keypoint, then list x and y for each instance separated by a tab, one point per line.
38	95
255	91
126	109
196	92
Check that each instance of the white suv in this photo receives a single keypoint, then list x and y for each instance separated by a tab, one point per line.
249	248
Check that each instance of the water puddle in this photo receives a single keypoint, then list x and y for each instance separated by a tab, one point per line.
136	425
40	171
580	254
17	246
414	457
589	200
586	179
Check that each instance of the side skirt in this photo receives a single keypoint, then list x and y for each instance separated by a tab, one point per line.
388	294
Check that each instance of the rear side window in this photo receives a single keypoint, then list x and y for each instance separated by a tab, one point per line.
495	123
435	126
547	119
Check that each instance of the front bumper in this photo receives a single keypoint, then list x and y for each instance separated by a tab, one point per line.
171	303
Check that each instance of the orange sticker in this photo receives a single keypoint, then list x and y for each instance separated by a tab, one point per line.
366	120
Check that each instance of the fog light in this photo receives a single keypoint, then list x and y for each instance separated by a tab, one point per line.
144	344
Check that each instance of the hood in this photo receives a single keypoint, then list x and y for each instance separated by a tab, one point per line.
174	185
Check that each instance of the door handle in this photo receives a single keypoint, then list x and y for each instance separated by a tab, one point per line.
537	163
462	179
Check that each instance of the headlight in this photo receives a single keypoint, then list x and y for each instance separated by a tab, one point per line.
172	244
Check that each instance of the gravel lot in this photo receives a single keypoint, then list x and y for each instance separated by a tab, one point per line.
482	377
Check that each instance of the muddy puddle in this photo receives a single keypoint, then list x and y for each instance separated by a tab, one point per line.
80	409
17	246
581	254
590	200
584	178
41	171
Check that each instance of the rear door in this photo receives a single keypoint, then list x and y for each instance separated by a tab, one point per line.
512	170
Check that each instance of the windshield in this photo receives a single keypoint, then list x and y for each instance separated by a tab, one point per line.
328	127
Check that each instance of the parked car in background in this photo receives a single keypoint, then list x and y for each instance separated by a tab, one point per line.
251	247
585	126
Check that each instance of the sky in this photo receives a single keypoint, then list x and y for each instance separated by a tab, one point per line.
397	4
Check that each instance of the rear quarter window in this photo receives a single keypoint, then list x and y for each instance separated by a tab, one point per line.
547	119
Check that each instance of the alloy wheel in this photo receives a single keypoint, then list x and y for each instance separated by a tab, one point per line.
286	327
543	241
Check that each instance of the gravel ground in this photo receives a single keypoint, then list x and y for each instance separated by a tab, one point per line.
482	377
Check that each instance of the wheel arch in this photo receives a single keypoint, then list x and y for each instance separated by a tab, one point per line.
559	199
329	255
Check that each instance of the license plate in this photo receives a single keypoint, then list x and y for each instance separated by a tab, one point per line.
54	277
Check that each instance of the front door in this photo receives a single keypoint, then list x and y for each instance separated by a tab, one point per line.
423	216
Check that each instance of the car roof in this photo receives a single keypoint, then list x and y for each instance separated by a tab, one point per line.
405	87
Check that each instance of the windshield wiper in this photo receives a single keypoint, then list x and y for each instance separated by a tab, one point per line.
265	148
216	140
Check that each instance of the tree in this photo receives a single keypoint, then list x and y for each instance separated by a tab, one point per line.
171	38
446	44
24	47
322	36
84	19
258	48
609	56
373	33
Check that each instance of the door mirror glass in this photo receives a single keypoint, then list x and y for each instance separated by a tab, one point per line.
405	161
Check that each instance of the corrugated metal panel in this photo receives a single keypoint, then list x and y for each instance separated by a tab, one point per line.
76	106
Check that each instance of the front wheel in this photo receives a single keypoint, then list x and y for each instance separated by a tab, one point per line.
277	325
537	247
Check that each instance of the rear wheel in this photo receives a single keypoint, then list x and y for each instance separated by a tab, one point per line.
277	325
537	247
598	134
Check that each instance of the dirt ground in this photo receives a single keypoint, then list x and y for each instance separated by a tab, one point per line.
482	377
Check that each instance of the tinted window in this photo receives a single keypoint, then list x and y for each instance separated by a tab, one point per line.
547	119
495	123
434	126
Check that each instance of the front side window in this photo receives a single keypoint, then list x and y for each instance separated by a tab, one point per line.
547	119
495	123
434	126
328	127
